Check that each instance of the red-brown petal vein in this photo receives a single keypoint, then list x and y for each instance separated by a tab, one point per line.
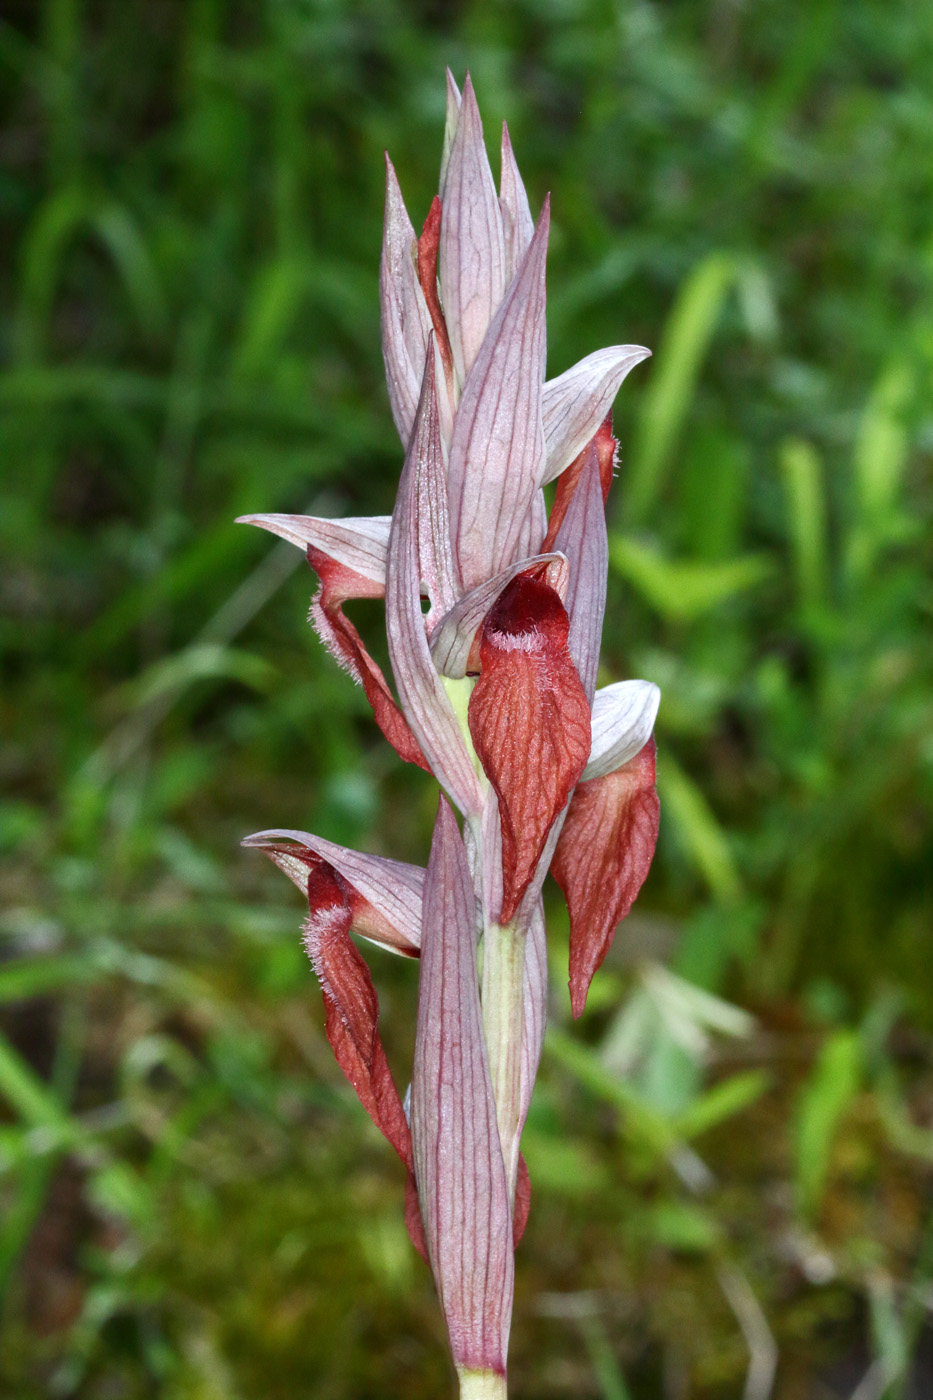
602	858
530	722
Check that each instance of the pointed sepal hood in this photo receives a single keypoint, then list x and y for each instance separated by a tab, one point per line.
455	644
385	895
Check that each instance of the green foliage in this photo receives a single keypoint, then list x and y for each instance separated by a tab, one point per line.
732	1151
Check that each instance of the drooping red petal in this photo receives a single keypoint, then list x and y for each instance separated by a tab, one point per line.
427	275
351	1006
606	448
530	723
338	633
522	1206
602	858
413	1222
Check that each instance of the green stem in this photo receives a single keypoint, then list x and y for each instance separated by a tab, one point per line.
503	1020
482	1385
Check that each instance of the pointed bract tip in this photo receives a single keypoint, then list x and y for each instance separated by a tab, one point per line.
468	102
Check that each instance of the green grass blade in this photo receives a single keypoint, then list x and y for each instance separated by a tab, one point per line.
684	344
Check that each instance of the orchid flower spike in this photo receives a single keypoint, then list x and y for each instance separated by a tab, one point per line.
494	695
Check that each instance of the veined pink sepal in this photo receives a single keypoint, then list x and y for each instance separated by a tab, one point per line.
385	895
602	858
405	317
459	1170
534	527
357	543
530	722
517	224
419	550
455	643
450	128
497	450
577	401
471	262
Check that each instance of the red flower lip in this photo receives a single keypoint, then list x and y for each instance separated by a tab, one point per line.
530	722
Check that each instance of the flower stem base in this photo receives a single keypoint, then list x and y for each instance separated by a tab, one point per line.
482	1385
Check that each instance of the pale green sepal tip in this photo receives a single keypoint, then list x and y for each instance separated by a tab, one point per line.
482	1385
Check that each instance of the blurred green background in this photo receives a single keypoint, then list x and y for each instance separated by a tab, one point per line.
732	1152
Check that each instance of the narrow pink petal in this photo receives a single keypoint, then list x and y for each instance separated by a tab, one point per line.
622	720
603	855
582	537
405	318
497	452
359	543
450	127
459	1169
388	893
416	551
530	722
472	253
517	223
577	402
455	642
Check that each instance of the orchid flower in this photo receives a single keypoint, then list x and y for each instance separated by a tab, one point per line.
495	695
